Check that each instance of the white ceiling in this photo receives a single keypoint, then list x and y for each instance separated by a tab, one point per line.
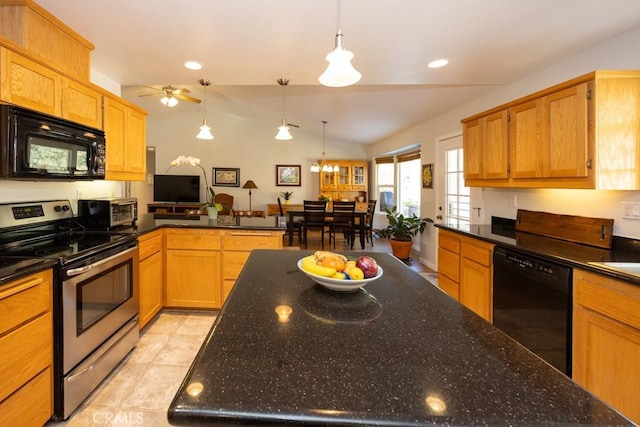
247	45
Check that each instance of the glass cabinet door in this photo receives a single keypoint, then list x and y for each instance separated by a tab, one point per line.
358	175
344	176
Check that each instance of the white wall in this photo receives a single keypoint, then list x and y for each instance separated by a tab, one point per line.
249	146
620	52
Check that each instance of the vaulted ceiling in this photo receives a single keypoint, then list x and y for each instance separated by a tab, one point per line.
245	46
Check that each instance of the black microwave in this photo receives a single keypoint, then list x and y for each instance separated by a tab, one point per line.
38	146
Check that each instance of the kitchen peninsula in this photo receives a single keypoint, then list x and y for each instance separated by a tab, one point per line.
398	352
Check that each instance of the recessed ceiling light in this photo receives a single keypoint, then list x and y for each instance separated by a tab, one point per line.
438	63
193	65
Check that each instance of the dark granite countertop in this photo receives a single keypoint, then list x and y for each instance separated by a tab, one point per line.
14	268
150	222
397	352
568	253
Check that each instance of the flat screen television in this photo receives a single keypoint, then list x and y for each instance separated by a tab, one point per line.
176	188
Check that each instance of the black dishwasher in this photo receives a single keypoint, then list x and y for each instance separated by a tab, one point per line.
532	304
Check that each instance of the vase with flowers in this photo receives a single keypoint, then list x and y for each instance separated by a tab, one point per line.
210	195
324	198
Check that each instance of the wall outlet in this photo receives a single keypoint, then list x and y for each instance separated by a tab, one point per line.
78	194
631	210
514	201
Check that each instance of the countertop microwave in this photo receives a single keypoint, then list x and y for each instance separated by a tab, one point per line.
38	146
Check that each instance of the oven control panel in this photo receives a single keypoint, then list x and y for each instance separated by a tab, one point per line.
13	214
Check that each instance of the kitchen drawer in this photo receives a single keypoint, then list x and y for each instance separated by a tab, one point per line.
232	263
249	240
450	287
477	251
613	298
24	299
31	405
193	239
449	241
449	264
150	244
24	352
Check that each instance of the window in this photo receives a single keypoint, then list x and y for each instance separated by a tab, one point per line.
458	197
385	173
398	182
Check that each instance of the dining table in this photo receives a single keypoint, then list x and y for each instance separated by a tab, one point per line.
360	216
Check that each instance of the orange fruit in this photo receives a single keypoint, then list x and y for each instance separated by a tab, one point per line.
333	262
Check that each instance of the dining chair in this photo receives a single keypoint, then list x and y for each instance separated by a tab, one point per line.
295	225
343	222
368	225
226	200
314	219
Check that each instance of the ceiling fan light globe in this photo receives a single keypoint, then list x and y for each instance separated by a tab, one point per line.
169	101
205	131
283	133
340	72
315	167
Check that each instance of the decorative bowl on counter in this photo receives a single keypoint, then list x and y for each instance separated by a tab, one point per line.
339	285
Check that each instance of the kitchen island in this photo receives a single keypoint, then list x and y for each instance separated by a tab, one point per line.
397	352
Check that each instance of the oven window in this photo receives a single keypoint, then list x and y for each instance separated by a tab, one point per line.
103	293
57	156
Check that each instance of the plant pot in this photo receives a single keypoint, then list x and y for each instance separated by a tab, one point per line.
401	248
212	212
286	202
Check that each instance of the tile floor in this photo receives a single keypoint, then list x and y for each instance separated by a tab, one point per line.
140	390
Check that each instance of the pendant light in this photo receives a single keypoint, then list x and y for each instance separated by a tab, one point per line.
283	130
205	131
339	72
324	166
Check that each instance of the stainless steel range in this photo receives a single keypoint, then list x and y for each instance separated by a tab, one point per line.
95	292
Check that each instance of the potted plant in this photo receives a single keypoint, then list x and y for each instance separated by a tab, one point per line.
287	195
401	230
212	207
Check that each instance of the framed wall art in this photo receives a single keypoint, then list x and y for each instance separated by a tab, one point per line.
427	176
288	175
226	177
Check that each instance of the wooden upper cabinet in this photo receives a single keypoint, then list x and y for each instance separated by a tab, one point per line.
472	142
582	133
485	141
29	84
125	134
566	118
81	103
495	146
526	140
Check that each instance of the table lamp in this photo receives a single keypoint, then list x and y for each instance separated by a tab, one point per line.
249	184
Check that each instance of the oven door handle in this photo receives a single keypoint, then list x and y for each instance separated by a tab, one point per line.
79	270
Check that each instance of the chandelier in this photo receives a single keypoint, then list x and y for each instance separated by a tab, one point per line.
323	166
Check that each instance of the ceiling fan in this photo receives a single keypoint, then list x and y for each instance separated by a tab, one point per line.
172	95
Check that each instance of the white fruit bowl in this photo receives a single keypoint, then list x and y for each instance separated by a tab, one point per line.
338	284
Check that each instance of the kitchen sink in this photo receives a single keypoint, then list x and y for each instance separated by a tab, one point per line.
623	267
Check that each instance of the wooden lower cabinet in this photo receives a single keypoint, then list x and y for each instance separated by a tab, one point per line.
193	268
151	272
606	340
26	351
237	246
465	271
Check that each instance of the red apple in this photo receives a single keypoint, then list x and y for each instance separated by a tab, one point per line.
368	265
